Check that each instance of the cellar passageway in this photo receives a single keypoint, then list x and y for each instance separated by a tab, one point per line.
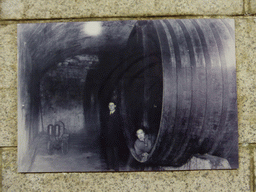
62	67
170	78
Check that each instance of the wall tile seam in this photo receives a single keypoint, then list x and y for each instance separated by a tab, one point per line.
244	6
1	167
246	9
252	145
134	17
252	167
7	148
10	22
250	7
10	87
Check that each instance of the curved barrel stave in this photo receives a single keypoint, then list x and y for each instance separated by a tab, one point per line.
187	69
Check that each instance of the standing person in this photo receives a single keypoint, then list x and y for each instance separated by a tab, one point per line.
113	136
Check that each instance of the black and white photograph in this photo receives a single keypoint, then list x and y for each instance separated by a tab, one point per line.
127	95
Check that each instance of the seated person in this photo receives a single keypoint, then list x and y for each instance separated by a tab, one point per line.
142	145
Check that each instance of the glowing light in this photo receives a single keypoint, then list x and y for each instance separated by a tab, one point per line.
93	28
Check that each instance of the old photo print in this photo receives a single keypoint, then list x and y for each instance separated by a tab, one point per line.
132	95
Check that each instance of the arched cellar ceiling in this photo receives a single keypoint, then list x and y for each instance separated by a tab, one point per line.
50	43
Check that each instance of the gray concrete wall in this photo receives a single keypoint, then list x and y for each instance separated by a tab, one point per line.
13	12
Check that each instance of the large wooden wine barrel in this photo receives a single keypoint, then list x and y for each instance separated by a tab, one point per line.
179	84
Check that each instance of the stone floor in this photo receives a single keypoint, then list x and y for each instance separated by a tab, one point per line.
90	159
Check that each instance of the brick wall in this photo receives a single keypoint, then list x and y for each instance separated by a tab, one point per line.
13	12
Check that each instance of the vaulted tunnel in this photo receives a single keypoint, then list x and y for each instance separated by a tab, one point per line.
61	68
173	78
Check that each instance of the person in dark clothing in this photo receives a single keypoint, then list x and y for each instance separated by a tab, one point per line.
142	145
113	136
141	150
